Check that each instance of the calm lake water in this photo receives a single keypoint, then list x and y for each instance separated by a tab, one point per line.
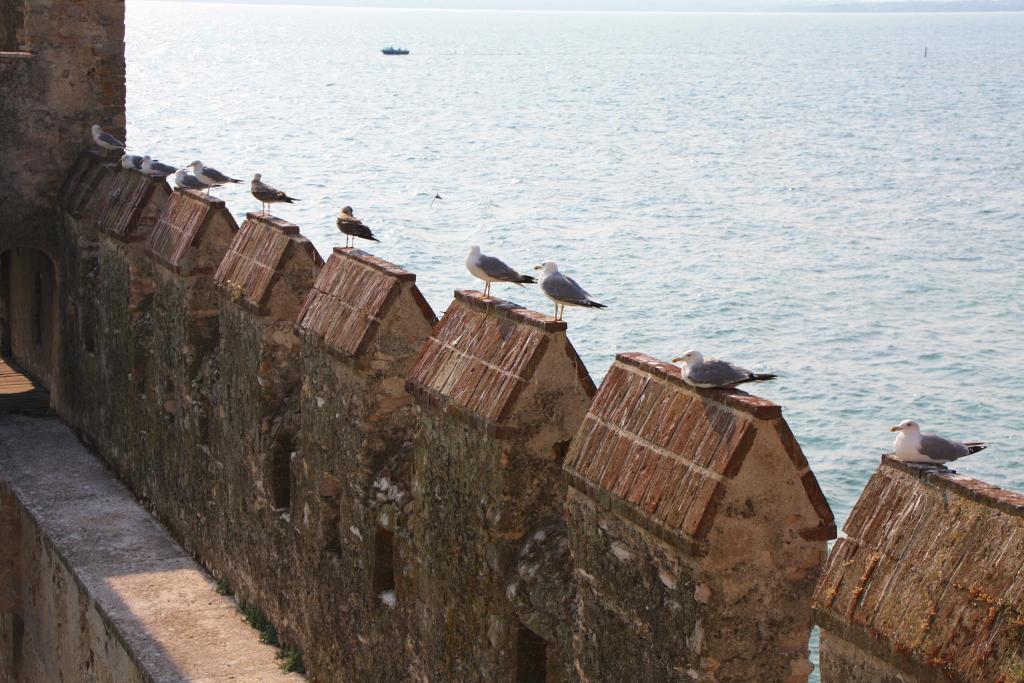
805	194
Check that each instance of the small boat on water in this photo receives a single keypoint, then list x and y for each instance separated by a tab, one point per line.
394	51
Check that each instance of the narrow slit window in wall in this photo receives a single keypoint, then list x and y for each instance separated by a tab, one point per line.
531	657
17	644
37	309
281	477
383	561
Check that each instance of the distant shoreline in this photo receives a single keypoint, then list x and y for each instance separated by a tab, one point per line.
995	7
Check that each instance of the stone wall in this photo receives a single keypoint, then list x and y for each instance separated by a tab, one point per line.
697	532
61	70
93	589
390	491
501	392
927	585
361	326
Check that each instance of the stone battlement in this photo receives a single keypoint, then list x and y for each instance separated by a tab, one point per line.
926	585
406	497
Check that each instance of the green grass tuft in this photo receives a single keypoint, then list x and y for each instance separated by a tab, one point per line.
224	587
255	618
291	660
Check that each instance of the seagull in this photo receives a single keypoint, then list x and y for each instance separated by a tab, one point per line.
715	374
154	168
490	269
913	446
106	140
353	227
210	176
563	290
184	181
267	194
130	161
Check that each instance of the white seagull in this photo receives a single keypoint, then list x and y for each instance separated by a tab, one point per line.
130	161
563	290
183	180
491	269
106	140
152	167
210	176
913	446
715	374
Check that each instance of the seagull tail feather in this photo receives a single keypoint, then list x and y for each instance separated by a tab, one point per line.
526	279
975	446
759	377
594	304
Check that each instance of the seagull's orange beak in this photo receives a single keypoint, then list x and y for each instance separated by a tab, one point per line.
895	429
677	360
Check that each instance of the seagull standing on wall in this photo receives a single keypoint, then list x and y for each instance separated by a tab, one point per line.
183	180
715	374
491	269
106	140
563	290
154	168
352	227
268	194
210	176
130	161
913	446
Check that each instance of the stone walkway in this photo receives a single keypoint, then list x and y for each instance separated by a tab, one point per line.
163	607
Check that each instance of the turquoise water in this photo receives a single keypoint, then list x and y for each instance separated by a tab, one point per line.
805	194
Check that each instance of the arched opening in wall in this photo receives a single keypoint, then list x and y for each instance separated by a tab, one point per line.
384	564
28	311
531	657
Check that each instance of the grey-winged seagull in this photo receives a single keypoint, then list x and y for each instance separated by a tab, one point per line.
130	161
268	194
210	176
491	269
913	446
183	180
715	374
353	227
563	290
106	140
152	167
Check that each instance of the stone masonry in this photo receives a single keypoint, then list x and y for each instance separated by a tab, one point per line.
697	532
501	392
927	586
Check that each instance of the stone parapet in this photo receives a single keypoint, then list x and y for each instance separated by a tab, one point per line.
699	499
100	591
192	233
926	584
130	209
